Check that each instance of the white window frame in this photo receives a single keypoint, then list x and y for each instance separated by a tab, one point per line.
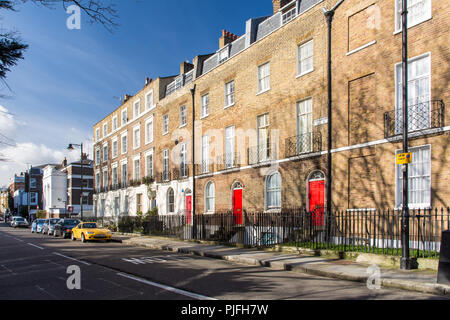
223	54
232	145
169	204
136	169
205	154
149	101
115	123
105	177
105	154
97	134
301	59
115	170
138	104
136	142
105	130
165	124
98	156
210	200
205	105
124	115
277	189
399	180
115	151
166	164
398	89
398	15
147	167
230	96
124	150
262	77
183	116
122	165
149	134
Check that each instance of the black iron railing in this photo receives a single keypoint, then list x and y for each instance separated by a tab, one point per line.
181	172
165	176
205	167
262	153
228	161
303	144
422	116
367	231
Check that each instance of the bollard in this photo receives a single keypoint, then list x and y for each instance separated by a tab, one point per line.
444	261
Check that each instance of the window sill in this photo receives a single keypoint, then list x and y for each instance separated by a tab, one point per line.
304	73
165	134
204	117
361	48
413	25
182	126
229	106
261	92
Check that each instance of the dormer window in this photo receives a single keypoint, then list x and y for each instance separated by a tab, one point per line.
223	55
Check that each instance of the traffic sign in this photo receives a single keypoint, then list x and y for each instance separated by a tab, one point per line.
404	158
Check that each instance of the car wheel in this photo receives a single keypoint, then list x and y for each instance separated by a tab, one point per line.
63	235
83	239
54	233
73	237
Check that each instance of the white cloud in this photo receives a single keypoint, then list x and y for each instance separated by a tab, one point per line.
20	155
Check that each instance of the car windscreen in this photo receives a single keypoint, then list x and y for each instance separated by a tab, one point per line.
71	222
20	219
90	226
54	221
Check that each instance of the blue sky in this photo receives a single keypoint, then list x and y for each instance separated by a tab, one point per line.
71	79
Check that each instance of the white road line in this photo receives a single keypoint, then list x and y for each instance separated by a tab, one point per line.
35	246
61	255
167	288
19	239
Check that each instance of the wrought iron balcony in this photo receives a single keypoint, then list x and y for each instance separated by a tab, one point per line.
303	144
228	161
262	153
166	176
421	116
205	167
181	173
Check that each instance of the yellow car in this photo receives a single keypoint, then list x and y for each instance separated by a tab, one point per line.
90	231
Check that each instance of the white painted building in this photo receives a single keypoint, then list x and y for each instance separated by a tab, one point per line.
54	190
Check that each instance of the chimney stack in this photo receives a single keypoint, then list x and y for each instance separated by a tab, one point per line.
278	4
226	38
126	97
148	80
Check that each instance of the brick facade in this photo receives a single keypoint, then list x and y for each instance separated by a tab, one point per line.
366	48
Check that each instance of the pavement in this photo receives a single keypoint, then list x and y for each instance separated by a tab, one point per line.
414	280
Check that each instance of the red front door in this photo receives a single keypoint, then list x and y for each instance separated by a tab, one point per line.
317	202
237	206
188	209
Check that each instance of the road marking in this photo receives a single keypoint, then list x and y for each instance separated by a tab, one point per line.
61	255
167	288
19	239
35	246
9	270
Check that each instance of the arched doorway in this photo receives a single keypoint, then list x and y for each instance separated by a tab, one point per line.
316	197
237	192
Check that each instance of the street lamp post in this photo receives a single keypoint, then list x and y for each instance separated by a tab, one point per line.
406	260
71	147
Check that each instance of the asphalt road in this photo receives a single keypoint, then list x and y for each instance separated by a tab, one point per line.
34	267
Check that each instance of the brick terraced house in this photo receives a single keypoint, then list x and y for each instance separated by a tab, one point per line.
261	117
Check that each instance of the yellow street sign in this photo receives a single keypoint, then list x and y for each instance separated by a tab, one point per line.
404	158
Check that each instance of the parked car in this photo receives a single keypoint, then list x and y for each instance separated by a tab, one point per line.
20	223
37	225
49	226
64	227
11	221
90	231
